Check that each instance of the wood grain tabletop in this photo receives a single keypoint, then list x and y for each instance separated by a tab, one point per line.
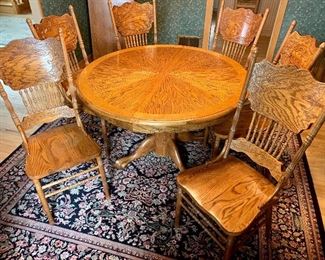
162	88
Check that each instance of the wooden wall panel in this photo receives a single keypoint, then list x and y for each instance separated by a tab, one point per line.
102	33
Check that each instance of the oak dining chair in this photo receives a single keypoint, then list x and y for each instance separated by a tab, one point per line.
233	195
237	30
133	21
219	132
49	27
34	69
298	50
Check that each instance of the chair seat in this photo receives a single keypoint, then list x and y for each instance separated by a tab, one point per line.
230	191
59	149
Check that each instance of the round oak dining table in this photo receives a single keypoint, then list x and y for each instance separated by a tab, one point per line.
161	90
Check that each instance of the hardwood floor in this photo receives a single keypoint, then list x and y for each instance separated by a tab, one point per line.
316	160
9	137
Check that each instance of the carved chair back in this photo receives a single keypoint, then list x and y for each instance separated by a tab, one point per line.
285	101
133	22
34	68
238	29
49	26
298	50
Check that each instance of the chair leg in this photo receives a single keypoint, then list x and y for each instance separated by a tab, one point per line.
268	231
43	200
103	177
229	247
104	133
178	207
206	136
215	145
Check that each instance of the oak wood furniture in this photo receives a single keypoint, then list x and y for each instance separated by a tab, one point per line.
295	49
239	29
159	90
49	27
133	21
235	196
298	50
34	69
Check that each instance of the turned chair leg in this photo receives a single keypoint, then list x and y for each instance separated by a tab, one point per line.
103	177
178	207
215	145
105	137
229	248
43	200
206	136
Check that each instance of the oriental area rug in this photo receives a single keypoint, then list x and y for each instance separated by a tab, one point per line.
138	221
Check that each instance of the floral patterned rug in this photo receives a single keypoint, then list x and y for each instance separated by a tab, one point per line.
138	221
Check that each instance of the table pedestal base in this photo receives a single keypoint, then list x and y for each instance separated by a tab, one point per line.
161	143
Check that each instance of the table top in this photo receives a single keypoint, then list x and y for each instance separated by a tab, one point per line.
162	88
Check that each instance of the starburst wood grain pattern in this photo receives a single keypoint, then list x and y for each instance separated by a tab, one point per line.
238	29
161	89
133	21
298	50
285	102
34	68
